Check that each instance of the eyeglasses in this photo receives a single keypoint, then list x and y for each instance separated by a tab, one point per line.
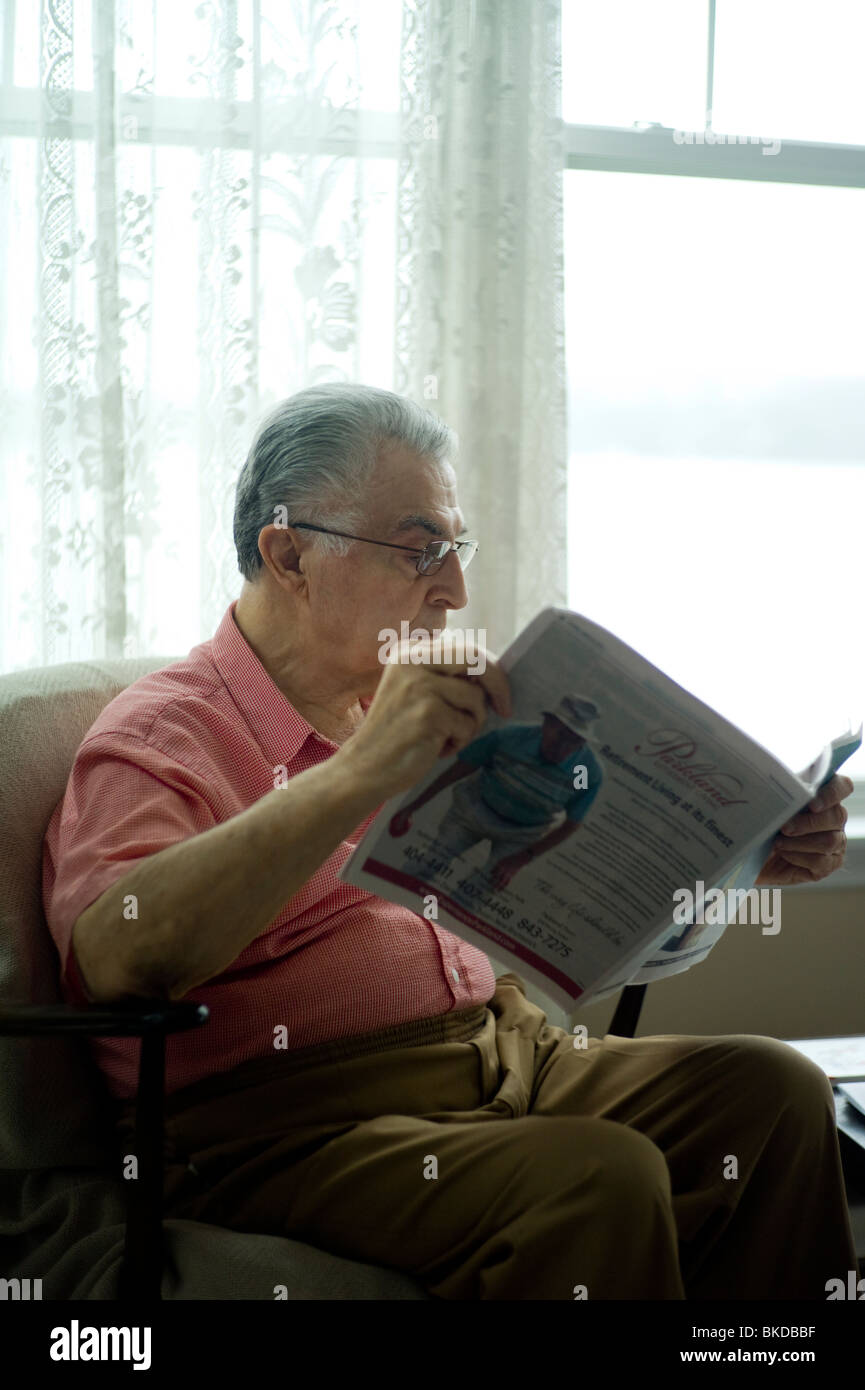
430	559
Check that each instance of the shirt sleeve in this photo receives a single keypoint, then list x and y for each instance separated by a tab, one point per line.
480	750
122	804
579	805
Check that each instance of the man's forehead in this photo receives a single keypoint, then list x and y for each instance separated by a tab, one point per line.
427	521
411	493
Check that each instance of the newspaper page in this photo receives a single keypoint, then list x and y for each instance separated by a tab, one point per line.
684	946
558	838
678	947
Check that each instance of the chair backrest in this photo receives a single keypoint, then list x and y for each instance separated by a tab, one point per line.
52	1100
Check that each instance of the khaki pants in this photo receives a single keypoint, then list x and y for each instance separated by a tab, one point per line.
512	1165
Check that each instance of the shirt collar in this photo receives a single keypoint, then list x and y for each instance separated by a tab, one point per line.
278	727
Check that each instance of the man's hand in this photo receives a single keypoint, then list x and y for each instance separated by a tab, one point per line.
813	844
504	871
422	712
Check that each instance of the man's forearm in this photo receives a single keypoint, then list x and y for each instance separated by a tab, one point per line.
202	901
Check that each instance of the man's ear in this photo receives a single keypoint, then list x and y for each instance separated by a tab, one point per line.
282	550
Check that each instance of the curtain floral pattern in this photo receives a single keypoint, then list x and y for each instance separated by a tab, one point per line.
205	207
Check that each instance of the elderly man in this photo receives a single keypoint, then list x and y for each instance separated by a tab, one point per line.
365	1083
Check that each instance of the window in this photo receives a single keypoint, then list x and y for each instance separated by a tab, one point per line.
188	143
714	302
714	307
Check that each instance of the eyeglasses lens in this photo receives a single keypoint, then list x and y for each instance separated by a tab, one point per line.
436	553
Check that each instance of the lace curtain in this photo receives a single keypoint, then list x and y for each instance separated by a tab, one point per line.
205	207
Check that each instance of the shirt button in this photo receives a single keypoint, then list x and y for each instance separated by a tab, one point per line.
455	974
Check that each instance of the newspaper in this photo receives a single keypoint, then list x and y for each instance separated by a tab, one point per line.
584	839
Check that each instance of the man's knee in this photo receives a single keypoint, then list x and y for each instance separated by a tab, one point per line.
619	1164
629	1161
769	1073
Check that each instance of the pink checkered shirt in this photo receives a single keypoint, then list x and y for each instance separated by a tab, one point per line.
182	750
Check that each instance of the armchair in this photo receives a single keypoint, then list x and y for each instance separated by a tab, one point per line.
67	1218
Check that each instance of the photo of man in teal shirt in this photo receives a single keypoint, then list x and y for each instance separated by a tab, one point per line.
524	787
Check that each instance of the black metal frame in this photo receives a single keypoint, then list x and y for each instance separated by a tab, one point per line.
140	1279
626	1017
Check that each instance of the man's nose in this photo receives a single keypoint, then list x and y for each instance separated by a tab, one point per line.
452	581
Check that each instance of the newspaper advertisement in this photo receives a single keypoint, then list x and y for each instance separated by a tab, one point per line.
583	838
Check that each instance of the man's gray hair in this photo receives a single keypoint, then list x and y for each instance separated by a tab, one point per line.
314	454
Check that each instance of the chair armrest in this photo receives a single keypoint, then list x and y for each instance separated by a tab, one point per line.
151	1020
133	1017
